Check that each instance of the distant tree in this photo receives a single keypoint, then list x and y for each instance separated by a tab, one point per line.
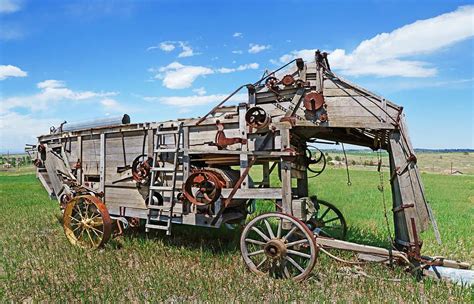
327	154
466	153
441	157
337	158
353	162
328	158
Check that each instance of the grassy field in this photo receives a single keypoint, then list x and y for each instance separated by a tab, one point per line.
38	264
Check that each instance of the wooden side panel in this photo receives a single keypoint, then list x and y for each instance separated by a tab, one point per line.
125	197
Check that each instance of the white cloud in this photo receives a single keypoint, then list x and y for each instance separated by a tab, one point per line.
179	76
200	91
196	100
13	139
51	91
169	46
257	48
384	55
10	6
237	35
237	52
187	51
243	67
11	71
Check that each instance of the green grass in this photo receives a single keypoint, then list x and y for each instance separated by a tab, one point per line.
194	264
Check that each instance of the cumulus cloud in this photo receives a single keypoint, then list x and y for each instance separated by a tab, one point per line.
7	71
51	91
169	46
10	6
237	35
200	91
14	139
178	76
257	48
243	67
196	100
386	54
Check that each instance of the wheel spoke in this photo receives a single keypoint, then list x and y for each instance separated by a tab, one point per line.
290	233
280	224
290	259
260	233
73	218
325	213
331	220
95	230
301	254
90	237
255	252
269	228
297	242
261	263
254	242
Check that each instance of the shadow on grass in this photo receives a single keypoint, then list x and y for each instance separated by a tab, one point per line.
223	240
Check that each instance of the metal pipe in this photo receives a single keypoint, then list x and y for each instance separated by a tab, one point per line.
96	123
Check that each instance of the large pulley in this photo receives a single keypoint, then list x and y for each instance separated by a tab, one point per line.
203	187
257	118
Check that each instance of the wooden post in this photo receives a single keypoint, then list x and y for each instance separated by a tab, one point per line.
102	163
244	158
79	156
266	174
285	171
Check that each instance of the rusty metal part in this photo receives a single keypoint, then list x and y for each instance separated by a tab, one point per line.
41	148
271	82
257	118
203	187
288	80
141	167
323	117
292	154
279	245
78	164
309	160
222	141
38	163
290	119
134	222
313	101
87	222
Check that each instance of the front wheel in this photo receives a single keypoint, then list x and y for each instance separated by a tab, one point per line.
279	245
87	222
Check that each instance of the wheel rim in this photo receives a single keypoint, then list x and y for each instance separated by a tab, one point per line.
87	222
278	245
327	220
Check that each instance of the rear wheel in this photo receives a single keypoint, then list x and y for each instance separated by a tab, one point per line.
279	245
87	222
327	220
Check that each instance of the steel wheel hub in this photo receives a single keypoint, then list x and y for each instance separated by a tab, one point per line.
275	249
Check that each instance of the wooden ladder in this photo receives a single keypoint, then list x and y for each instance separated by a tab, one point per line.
160	179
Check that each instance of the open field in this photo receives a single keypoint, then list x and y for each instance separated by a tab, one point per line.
37	263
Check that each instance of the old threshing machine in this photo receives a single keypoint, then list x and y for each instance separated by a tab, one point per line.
208	171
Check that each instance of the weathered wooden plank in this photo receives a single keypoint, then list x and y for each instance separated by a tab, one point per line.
254	193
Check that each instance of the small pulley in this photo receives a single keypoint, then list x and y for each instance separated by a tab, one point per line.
141	168
288	80
257	118
271	82
311	161
313	101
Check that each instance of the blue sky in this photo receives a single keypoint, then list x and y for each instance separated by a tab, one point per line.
159	60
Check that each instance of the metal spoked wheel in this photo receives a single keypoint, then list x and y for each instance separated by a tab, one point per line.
327	220
279	245
86	222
